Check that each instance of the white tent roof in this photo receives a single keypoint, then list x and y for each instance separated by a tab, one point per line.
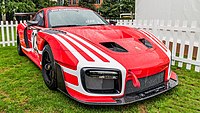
182	10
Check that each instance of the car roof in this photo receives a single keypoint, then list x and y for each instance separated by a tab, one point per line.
63	7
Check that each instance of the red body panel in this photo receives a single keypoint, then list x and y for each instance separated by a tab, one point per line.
85	41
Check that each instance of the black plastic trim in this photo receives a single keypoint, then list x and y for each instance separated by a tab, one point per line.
146	42
60	79
26	37
113	46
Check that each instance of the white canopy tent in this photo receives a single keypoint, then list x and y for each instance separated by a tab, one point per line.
183	10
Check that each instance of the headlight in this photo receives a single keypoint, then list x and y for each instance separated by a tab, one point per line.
101	80
102	74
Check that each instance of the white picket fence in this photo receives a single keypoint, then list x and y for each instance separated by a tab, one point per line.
182	38
8	33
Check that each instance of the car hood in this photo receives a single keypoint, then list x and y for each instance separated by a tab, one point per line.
124	36
138	57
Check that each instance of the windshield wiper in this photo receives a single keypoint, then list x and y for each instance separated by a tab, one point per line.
95	24
65	26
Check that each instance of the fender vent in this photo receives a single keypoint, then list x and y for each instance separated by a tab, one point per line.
146	42
113	46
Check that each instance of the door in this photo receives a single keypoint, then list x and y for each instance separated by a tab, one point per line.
30	33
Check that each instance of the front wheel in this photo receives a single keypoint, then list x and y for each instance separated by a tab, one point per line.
48	68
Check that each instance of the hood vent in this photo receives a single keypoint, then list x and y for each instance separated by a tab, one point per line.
146	42
113	46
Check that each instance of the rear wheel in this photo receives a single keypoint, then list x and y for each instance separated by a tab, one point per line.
48	68
19	48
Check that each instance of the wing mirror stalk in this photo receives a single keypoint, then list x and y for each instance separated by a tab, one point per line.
32	23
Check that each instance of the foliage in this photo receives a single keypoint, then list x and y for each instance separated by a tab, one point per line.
127	5
110	8
88	5
113	8
65	3
13	6
25	5
44	3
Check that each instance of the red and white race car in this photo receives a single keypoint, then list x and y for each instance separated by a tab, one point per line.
92	61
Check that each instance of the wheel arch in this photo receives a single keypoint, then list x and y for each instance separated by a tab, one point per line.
60	78
60	53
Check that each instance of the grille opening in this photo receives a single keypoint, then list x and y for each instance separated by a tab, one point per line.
145	83
113	46
98	85
146	42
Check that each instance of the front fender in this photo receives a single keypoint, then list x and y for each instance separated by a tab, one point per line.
60	53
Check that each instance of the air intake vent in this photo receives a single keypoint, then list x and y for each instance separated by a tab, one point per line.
146	42
113	47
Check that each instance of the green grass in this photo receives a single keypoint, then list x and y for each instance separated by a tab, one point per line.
22	90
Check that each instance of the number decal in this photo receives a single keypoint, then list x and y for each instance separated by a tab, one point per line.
34	40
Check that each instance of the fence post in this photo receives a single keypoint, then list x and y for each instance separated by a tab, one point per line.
175	37
182	44
135	24
2	33
197	68
191	44
150	26
12	31
7	33
155	27
160	30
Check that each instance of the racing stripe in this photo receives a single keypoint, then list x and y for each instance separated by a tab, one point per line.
71	78
94	52
68	70
84	63
85	52
70	48
154	38
167	51
99	53
27	49
23	24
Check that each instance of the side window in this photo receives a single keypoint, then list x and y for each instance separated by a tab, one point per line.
40	18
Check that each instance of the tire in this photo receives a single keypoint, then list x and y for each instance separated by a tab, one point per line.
48	68
19	48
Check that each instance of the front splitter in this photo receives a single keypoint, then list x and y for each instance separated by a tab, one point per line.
131	98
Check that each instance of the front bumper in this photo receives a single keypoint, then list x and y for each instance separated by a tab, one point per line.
130	98
138	96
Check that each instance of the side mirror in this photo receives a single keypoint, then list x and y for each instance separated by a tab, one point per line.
111	22
32	23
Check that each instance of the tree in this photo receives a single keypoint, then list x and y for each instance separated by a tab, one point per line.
23	6
89	5
113	8
13	6
127	6
110	8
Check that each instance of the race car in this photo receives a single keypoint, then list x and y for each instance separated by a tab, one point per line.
94	61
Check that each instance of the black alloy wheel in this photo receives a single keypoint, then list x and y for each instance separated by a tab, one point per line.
48	68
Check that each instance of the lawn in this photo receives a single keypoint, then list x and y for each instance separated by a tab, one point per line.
22	90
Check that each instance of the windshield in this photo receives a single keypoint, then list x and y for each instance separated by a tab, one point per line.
68	17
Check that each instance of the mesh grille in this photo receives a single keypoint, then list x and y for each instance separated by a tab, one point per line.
145	83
